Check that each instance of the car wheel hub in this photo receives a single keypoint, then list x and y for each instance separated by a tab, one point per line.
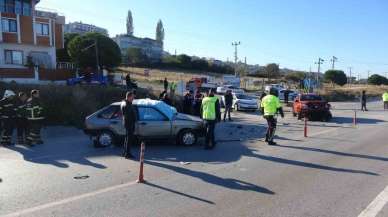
105	139
188	139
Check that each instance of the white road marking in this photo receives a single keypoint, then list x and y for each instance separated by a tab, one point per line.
377	205
67	200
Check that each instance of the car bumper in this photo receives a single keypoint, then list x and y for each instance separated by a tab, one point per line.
248	107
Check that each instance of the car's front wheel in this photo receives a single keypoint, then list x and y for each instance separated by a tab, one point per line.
187	138
104	139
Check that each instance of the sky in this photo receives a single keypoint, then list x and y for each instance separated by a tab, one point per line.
293	34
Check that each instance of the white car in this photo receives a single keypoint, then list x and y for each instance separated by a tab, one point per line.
243	102
237	91
223	89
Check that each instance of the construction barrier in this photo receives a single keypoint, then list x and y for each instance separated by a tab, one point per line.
141	170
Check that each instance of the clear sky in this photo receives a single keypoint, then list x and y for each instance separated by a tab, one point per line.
291	33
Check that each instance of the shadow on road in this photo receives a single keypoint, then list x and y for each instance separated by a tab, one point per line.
349	120
178	193
36	155
215	180
335	152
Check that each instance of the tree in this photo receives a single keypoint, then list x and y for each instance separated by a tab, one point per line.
184	61
200	64
378	80
130	27
336	77
82	51
295	76
136	56
272	70
62	53
160	32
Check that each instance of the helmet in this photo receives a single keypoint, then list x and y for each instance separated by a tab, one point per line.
9	93
273	91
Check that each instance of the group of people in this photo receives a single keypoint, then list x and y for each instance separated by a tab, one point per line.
364	100
23	113
192	103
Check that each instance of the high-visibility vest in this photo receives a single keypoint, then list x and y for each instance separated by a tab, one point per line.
385	97
271	104
209	108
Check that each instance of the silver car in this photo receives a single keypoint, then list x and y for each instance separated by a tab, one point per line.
156	120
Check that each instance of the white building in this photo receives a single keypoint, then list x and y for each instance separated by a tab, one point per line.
150	47
82	28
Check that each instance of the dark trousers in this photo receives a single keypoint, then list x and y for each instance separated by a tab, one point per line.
22	127
386	105
129	139
286	99
272	122
363	106
228	109
33	136
210	139
8	127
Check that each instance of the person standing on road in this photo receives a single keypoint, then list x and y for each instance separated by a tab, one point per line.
188	102
385	100
165	83
129	118
21	118
8	116
211	114
35	118
363	101
228	104
270	106
286	95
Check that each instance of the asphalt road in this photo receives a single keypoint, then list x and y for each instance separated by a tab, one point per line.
338	171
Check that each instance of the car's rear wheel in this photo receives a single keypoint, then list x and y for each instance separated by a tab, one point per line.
187	138
104	139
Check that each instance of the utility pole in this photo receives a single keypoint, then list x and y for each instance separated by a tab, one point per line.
350	76
235	44
97	57
333	60
367	79
320	62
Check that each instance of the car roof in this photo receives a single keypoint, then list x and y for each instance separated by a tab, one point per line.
161	106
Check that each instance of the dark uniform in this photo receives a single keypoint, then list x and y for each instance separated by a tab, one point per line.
8	116
21	121
129	116
228	104
35	119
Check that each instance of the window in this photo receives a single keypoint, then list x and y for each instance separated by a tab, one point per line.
42	29
13	57
27	8
150	114
10	6
108	112
18	7
9	25
2	6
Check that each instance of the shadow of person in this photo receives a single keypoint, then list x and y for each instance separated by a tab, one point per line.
233	184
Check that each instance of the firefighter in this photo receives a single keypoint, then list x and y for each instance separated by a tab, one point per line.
211	114
8	116
21	118
270	106
35	118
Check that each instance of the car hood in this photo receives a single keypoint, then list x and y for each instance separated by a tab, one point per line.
186	117
247	101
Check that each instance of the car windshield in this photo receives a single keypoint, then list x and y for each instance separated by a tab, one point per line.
310	98
241	96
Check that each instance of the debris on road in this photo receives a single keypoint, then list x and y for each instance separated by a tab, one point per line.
81	177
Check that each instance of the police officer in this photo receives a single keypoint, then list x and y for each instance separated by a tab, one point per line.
211	114
8	115
21	118
35	118
129	116
270	106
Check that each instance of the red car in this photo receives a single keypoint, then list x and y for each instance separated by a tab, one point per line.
311	106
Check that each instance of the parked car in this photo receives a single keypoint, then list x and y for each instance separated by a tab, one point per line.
95	79
156	120
311	106
222	89
291	94
243	102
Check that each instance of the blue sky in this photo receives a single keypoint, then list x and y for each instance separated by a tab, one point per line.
291	33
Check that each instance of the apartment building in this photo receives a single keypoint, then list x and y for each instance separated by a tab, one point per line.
82	28
28	35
